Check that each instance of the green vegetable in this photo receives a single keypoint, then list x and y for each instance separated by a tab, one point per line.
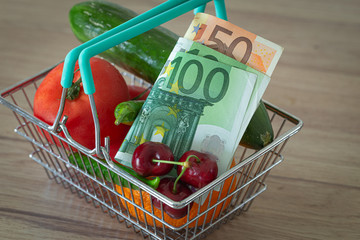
91	166
259	132
126	112
144	55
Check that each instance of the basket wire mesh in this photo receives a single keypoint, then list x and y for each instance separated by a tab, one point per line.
231	193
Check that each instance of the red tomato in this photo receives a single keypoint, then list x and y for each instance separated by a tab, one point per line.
111	89
135	91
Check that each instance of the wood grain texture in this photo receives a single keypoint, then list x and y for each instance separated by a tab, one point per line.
313	194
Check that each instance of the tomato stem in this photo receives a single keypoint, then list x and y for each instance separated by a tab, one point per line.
74	91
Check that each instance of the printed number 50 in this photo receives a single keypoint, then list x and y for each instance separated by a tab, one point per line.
221	46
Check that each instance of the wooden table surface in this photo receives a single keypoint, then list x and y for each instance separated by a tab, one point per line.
313	194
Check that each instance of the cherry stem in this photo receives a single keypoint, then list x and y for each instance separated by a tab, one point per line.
177	180
186	165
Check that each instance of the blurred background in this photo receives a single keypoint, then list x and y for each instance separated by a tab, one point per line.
313	194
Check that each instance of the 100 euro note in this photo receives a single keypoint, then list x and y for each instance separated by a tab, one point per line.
235	42
196	103
262	81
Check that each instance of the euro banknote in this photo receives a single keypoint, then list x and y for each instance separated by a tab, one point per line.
235	42
196	103
262	81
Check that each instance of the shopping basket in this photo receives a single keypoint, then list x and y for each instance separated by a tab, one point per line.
229	195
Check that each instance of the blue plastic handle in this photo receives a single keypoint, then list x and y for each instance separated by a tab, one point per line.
132	28
73	55
219	8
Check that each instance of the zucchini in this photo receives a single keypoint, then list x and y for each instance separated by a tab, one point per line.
259	132
144	55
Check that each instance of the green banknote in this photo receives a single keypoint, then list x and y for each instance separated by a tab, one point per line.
189	46
197	103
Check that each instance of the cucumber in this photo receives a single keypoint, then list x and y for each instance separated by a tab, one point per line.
259	132
144	55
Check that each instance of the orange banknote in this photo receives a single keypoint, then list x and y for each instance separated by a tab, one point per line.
235	42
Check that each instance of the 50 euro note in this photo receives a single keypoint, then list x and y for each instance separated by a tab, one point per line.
262	81
235	42
196	103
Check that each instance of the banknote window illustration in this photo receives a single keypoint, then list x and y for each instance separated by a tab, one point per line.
166	117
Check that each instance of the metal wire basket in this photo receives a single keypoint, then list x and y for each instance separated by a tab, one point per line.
229	195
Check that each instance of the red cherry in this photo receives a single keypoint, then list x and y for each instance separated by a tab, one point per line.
142	160
166	187
201	170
